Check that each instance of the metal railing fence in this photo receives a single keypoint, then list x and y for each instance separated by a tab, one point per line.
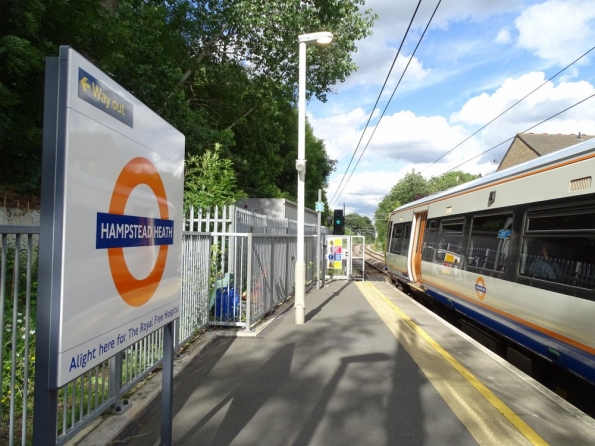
236	267
18	289
196	258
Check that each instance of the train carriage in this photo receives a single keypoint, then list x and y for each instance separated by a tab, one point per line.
513	252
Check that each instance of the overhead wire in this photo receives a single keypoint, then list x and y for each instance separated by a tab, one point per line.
391	97
377	100
357	211
512	137
466	139
509	108
524	131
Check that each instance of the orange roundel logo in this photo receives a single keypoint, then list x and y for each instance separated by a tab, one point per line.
115	231
480	288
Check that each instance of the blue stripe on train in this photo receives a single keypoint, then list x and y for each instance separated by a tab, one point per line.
568	357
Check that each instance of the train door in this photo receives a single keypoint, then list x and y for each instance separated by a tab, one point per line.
417	246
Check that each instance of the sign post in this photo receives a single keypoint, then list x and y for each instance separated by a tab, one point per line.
110	248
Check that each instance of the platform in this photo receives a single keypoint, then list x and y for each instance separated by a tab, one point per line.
369	367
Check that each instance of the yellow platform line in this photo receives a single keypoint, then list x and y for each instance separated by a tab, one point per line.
508	413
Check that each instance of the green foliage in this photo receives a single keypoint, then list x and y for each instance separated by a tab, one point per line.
30	30
361	225
318	165
222	71
448	180
413	187
209	181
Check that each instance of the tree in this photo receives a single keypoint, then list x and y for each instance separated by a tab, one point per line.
30	31
209	181
223	71
448	180
413	187
318	165
360	225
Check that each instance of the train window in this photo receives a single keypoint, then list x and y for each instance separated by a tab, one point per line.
430	241
450	242
389	236
574	222
406	237
489	242
559	247
396	239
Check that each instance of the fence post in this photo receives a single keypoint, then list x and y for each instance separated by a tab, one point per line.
191	220
249	285
287	266
272	271
167	385
177	327
115	380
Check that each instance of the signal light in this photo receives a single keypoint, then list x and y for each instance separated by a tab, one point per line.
338	222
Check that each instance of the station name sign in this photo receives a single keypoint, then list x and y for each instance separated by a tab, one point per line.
112	254
126	231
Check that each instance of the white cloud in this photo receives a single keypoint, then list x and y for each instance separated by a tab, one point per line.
403	142
557	30
544	103
504	36
376	52
373	73
365	189
340	132
417	139
467	57
395	15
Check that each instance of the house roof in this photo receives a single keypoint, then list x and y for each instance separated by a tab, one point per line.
528	146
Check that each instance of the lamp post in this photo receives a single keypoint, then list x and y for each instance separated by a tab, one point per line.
320	38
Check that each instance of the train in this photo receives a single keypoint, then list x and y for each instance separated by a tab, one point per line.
512	253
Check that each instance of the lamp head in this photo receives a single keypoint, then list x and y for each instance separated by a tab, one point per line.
320	38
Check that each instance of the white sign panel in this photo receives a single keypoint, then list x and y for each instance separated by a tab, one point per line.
122	211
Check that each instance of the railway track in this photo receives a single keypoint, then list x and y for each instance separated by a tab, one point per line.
373	269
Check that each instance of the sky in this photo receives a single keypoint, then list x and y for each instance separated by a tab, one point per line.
477	58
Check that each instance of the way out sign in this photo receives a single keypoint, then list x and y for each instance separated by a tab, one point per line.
110	244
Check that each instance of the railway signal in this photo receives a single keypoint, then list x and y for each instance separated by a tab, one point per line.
338	222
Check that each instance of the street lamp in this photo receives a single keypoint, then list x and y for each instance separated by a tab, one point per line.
320	38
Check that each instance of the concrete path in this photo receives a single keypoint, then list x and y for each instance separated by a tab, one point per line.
342	378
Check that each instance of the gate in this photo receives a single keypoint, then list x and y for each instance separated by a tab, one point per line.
340	257
358	263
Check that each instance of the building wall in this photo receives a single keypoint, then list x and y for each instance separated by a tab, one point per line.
18	217
277	207
518	153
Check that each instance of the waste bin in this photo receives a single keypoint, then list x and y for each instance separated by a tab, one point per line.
227	307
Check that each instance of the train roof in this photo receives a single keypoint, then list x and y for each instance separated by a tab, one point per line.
571	152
